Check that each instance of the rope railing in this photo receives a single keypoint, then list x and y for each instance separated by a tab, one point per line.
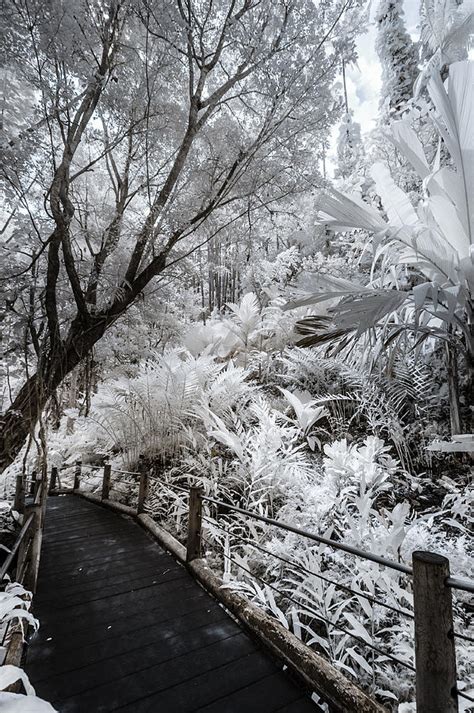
461	584
296	565
125	472
464	637
311	536
172	486
430	577
318	615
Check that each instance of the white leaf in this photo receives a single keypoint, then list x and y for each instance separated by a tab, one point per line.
358	629
365	311
408	143
447	218
454	122
17	703
11	674
360	660
420	293
399	210
349	211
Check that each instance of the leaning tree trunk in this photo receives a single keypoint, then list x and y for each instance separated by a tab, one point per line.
23	414
19	420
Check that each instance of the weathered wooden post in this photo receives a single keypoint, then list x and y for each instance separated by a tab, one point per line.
193	547
35	549
30	548
143	486
33	483
106	481
77	474
53	479
19	502
37	485
434	640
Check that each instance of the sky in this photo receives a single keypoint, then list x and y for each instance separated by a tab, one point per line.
364	79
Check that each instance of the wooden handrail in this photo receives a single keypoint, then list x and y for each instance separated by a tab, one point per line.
39	492
16	546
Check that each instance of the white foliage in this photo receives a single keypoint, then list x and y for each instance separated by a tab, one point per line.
398	57
15	603
437	238
306	411
17	703
446	28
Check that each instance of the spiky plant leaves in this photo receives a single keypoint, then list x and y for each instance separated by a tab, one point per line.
306	411
349	211
445	30
396	203
410	146
436	241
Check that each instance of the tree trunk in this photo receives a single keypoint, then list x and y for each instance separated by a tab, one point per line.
18	421
453	388
470	371
21	417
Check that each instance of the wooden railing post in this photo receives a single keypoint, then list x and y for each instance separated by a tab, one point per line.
53	479
77	475
30	549
143	487
193	547
434	640
19	503
38	481
106	481
33	483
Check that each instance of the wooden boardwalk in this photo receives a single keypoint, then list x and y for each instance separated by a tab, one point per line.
125	627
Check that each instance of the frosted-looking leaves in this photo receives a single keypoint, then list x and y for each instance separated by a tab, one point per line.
15	602
306	411
433	239
17	703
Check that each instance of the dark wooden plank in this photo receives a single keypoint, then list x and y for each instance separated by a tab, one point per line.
90	528
82	586
66	512
119	604
125	627
162	610
58	542
267	694
130	690
117	553
78	679
104	590
207	687
101	569
201	613
151	643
